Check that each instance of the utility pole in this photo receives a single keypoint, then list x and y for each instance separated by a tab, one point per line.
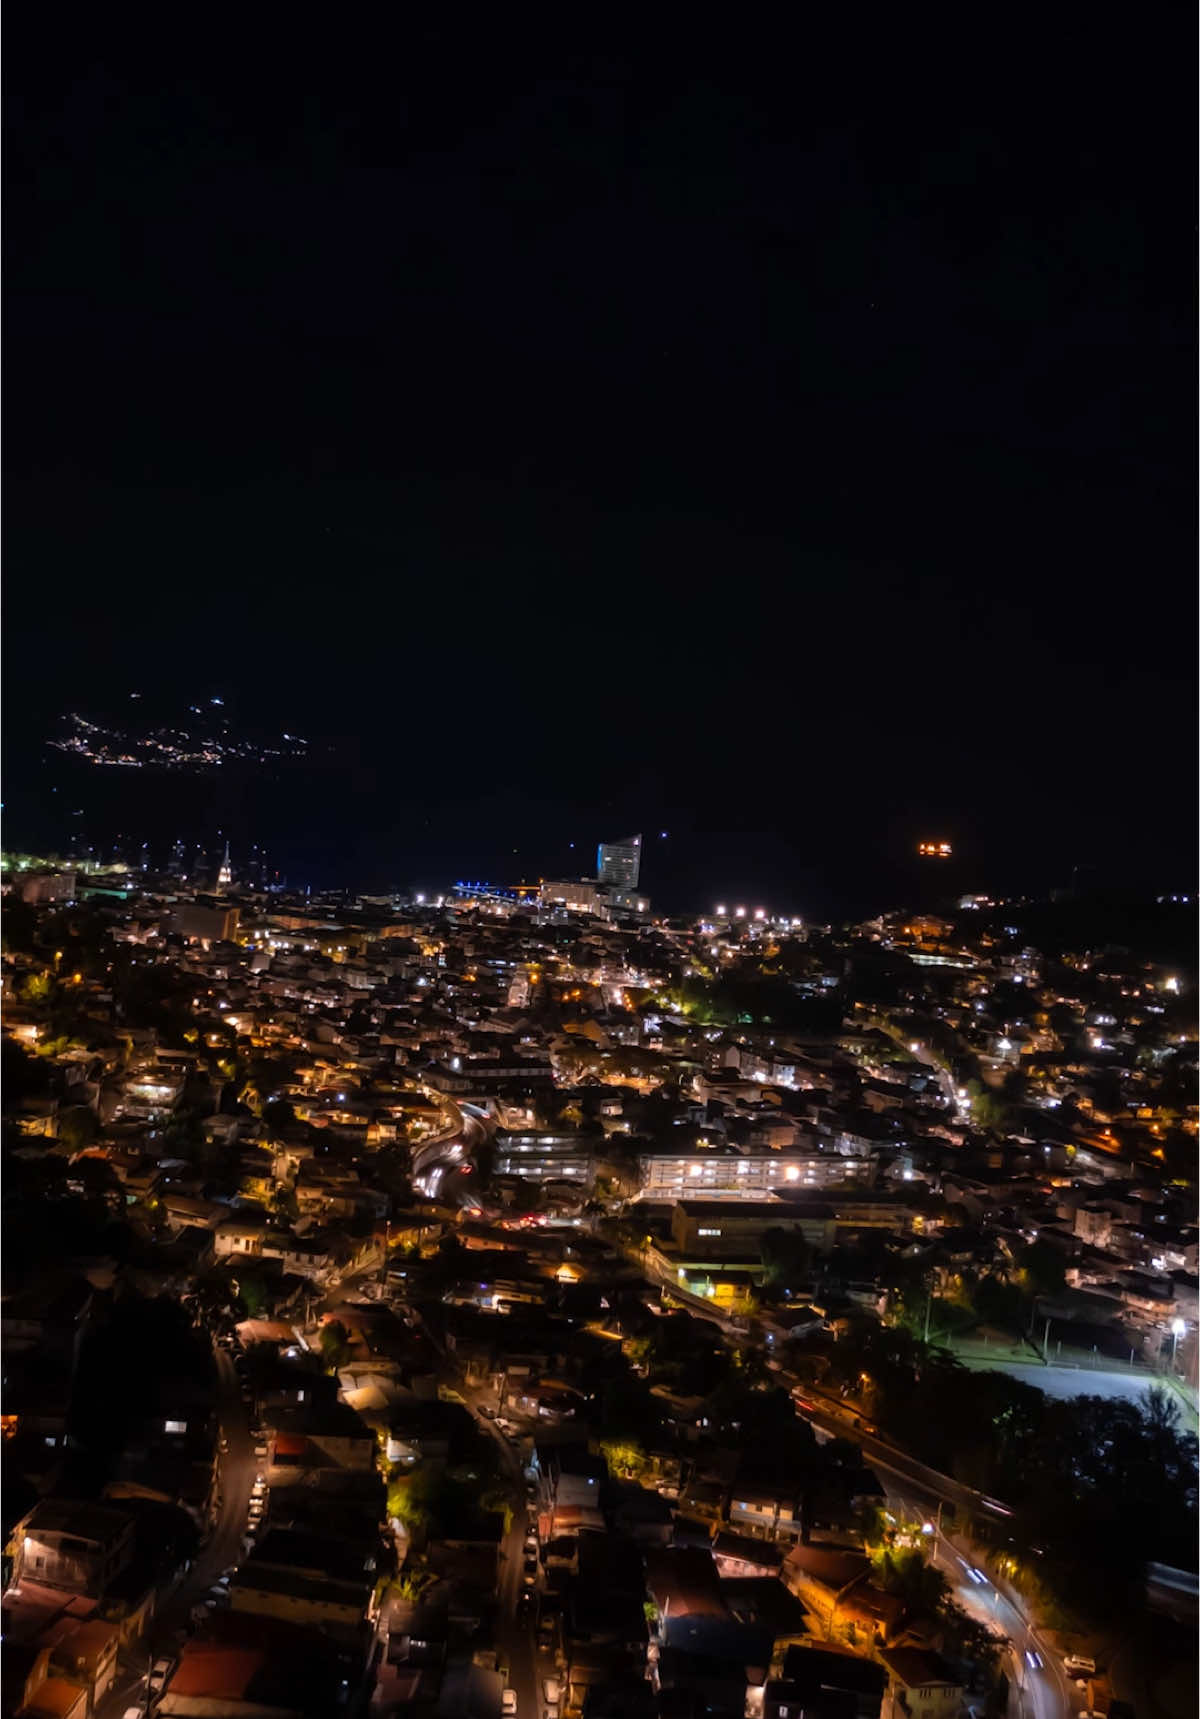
1046	1344
928	1313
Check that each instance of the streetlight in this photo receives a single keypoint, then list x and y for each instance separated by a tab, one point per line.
1178	1327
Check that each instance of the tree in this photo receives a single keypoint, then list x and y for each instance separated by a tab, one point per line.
253	1294
335	1344
786	1258
38	988
77	1127
285	1203
997	1302
1042	1268
625	1457
1015	1086
988	1108
903	1571
278	1116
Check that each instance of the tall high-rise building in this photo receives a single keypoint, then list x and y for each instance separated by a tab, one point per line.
619	864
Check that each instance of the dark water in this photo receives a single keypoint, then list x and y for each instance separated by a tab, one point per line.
398	819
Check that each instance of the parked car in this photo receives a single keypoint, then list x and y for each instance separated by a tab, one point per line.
508	1704
159	1673
1079	1665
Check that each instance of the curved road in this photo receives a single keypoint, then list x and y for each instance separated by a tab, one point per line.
436	1159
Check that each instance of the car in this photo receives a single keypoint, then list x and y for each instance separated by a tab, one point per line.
223	1445
1079	1665
546	1635
529	1576
159	1673
531	1543
551	1697
803	1404
260	1449
134	1713
487	1413
508	1703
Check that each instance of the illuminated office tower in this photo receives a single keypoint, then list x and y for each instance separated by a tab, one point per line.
619	864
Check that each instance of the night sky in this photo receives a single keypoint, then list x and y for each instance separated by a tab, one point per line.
784	443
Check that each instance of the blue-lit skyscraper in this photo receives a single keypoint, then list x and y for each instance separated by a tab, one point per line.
619	864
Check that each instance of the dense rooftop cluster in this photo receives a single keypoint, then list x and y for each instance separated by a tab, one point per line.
481	1306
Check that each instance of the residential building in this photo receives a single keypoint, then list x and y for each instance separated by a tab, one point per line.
923	1685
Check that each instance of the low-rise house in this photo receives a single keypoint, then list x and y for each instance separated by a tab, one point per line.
315	1436
765	1602
73	1546
923	1685
644	1515
826	1685
240	1238
257	1667
568	1474
743	1555
88	1657
768	1511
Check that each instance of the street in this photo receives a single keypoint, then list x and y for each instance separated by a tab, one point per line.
1036	1691
514	1633
237	1472
223	1548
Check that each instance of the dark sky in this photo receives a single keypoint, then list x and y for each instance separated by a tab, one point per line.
782	442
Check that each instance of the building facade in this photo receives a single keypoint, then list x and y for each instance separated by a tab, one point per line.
619	864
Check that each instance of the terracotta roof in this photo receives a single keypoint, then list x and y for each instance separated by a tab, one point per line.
55	1698
917	1667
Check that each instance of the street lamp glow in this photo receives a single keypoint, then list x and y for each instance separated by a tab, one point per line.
1178	1327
